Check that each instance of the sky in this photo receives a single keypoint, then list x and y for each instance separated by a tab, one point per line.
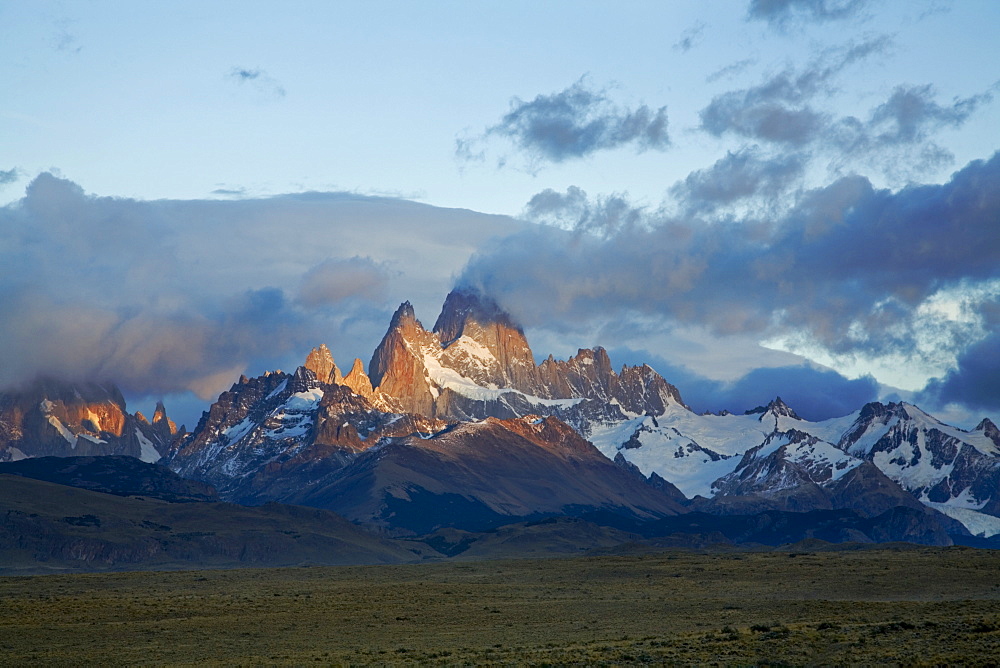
757	197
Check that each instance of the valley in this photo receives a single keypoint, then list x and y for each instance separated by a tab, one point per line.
895	604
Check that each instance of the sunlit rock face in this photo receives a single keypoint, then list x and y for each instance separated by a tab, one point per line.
267	436
437	400
483	341
358	381
54	418
398	367
476	474
320	362
476	363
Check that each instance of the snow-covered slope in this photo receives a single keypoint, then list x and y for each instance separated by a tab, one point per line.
278	431
708	455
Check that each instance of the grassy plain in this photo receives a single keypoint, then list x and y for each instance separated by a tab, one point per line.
903	606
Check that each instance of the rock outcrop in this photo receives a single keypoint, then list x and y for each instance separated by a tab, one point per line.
476	363
320	362
53	418
435	422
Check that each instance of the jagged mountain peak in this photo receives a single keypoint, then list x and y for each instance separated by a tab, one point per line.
163	423
777	407
320	362
876	412
404	315
358	380
989	430
463	307
483	342
59	418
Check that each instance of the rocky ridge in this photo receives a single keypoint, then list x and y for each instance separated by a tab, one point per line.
458	426
54	418
362	443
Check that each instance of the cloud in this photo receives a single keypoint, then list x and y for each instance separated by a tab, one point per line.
783	113
230	192
975	379
781	13
848	265
730	70
571	124
336	280
573	210
257	79
168	296
690	37
738	177
815	394
778	109
904	122
8	176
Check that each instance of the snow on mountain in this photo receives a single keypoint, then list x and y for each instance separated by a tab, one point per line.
269	436
978	524
935	462
940	465
55	418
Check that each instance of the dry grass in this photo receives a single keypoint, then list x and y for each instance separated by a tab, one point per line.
921	606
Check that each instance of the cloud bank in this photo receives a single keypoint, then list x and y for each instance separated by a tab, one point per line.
815	394
849	266
173	296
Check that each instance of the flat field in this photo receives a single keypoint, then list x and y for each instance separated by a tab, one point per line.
904	606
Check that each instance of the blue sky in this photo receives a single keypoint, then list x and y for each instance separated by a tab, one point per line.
681	182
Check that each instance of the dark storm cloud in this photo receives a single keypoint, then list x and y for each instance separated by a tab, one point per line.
784	12
778	110
570	124
170	296
738	176
848	265
814	394
975	381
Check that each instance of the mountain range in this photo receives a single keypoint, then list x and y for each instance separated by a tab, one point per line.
457	428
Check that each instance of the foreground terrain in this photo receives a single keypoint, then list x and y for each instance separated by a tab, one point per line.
897	605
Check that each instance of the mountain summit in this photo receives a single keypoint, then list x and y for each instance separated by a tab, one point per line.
459	427
476	363
56	418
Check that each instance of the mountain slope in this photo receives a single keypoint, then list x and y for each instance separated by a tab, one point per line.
483	474
54	418
113	474
46	527
368	445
